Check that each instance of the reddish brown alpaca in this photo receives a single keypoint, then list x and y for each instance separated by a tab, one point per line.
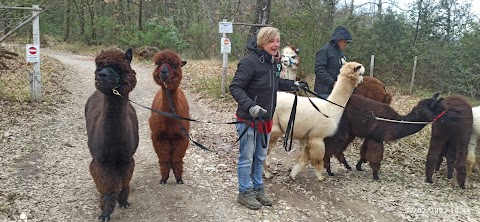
168	140
112	129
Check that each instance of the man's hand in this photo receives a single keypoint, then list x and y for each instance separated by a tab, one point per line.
256	110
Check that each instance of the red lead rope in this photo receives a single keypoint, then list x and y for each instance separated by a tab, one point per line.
438	117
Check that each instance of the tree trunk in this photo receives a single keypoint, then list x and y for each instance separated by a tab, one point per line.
81	16
262	16
68	21
330	13
380	9
140	14
417	26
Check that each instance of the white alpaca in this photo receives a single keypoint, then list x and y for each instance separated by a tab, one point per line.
312	126
290	61
472	146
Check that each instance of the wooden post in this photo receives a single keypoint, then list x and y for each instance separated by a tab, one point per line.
372	64
224	68
36	83
413	74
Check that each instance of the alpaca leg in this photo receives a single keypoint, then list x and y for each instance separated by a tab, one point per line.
341	159
317	152
272	143
460	162
374	155
177	159
164	153
450	161
363	158
339	154
472	145
301	160
108	185
123	195
432	158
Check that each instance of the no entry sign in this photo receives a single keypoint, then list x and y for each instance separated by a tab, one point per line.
226	46
33	53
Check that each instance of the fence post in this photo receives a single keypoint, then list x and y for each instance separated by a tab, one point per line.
36	83
372	64
413	74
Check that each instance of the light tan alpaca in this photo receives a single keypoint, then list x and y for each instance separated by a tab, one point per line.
472	156
290	62
311	127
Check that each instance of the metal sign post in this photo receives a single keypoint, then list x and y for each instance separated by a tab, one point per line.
226	47
36	78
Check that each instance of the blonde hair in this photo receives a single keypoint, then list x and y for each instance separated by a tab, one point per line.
265	35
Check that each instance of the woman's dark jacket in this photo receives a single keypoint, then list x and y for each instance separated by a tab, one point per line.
258	76
328	61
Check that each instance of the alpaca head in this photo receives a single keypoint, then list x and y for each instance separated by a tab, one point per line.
353	71
290	58
430	108
113	72
168	72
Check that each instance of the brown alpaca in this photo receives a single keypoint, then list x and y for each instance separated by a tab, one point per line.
450	137
360	122
112	129
169	141
371	88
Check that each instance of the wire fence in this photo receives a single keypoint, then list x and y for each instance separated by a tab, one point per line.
15	72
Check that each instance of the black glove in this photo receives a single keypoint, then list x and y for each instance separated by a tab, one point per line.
300	85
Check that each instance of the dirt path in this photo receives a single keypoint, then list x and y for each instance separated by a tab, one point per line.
52	182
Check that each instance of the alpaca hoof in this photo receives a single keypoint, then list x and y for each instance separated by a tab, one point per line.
359	167
180	181
267	175
104	217
124	205
462	186
292	177
429	181
375	177
163	181
348	167
331	174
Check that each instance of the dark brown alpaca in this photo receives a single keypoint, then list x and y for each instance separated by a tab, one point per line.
371	88
112	129
169	141
360	122
450	138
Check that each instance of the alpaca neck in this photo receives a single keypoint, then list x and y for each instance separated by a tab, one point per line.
115	113
396	131
340	95
289	73
168	98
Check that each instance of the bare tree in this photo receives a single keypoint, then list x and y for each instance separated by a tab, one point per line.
262	16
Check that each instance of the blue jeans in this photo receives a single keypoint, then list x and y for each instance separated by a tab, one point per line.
251	158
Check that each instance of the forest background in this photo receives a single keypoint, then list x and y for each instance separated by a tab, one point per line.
443	34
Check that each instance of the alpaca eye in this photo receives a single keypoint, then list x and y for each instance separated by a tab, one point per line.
294	57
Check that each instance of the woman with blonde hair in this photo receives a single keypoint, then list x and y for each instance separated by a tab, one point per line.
254	87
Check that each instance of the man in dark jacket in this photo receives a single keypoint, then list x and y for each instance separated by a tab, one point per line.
328	61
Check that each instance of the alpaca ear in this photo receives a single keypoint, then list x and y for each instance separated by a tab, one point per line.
435	95
129	55
435	103
183	63
356	68
297	51
343	61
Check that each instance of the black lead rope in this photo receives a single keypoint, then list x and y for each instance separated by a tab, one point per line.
264	139
182	128
291	123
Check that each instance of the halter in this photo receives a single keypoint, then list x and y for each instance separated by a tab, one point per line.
169	67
